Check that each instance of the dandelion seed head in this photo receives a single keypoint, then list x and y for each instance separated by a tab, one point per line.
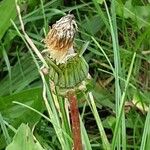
60	38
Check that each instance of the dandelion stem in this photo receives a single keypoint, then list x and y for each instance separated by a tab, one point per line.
77	143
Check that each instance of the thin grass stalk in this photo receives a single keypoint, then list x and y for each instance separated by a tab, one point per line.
85	139
113	28
98	45
27	38
53	113
10	126
34	110
146	132
114	140
4	130
105	142
63	114
74	113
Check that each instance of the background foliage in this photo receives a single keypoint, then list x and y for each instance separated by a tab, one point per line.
118	56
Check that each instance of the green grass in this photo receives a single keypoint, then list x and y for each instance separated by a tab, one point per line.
115	107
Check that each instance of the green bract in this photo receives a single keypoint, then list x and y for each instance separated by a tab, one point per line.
69	74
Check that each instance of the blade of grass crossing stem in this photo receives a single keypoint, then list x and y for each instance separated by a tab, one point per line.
52	110
118	121
105	141
146	132
65	121
113	28
4	129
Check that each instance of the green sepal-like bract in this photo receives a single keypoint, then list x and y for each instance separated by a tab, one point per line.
69	74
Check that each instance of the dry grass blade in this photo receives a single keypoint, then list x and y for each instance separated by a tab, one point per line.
28	38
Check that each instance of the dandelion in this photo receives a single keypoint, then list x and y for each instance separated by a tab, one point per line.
59	41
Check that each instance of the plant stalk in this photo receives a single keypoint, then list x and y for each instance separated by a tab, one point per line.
74	112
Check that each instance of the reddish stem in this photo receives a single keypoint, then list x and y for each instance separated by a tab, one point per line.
77	144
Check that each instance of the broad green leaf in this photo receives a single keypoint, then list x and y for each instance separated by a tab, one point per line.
8	40
16	114
7	12
92	24
24	140
23	73
103	97
138	14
